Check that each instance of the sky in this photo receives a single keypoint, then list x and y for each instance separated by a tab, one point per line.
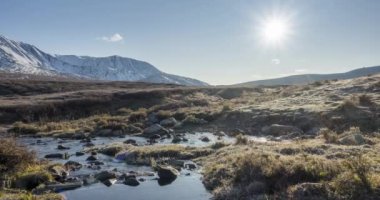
216	41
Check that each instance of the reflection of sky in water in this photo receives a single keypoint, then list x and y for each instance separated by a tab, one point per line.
183	188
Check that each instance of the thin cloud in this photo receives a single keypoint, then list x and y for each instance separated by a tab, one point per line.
300	70
276	61
113	38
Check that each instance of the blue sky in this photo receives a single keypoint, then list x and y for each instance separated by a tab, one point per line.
217	41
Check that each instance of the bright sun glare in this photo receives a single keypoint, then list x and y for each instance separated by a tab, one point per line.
275	30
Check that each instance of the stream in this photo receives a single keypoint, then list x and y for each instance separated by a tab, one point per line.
187	186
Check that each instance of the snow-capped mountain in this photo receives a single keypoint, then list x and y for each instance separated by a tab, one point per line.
19	57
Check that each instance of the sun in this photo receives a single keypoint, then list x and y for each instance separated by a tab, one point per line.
275	30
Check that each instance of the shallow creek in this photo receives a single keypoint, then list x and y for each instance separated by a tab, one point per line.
187	186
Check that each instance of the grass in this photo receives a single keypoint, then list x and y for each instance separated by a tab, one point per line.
14	157
329	135
138	116
25	195
248	171
163	114
20	167
241	140
144	154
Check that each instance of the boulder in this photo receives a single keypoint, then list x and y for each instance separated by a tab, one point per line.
109	182
354	139
280	130
103	132
111	150
59	187
125	156
130	141
73	165
155	137
96	162
167	173
89	144
61	147
79	153
105	175
30	181
92	158
170	122
55	155
204	139
80	136
58	172
155	129
85	140
176	139
131	181
152	118
190	165
133	129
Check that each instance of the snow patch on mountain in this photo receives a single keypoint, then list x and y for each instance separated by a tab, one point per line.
19	57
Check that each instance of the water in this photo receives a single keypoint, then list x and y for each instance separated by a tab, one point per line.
185	187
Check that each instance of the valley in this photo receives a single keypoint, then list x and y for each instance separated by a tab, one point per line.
96	140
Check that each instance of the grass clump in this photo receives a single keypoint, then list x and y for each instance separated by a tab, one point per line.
24	195
138	116
111	150
23	128
144	154
365	100
355	182
329	135
241	140
218	145
163	114
243	175
14	157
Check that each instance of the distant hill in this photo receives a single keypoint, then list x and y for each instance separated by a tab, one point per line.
310	78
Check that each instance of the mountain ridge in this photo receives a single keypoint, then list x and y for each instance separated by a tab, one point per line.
300	79
20	57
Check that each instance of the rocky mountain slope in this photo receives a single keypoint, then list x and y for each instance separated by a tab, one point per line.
19	57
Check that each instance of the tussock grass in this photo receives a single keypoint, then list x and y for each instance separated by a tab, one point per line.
144	154
248	171
329	135
14	157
